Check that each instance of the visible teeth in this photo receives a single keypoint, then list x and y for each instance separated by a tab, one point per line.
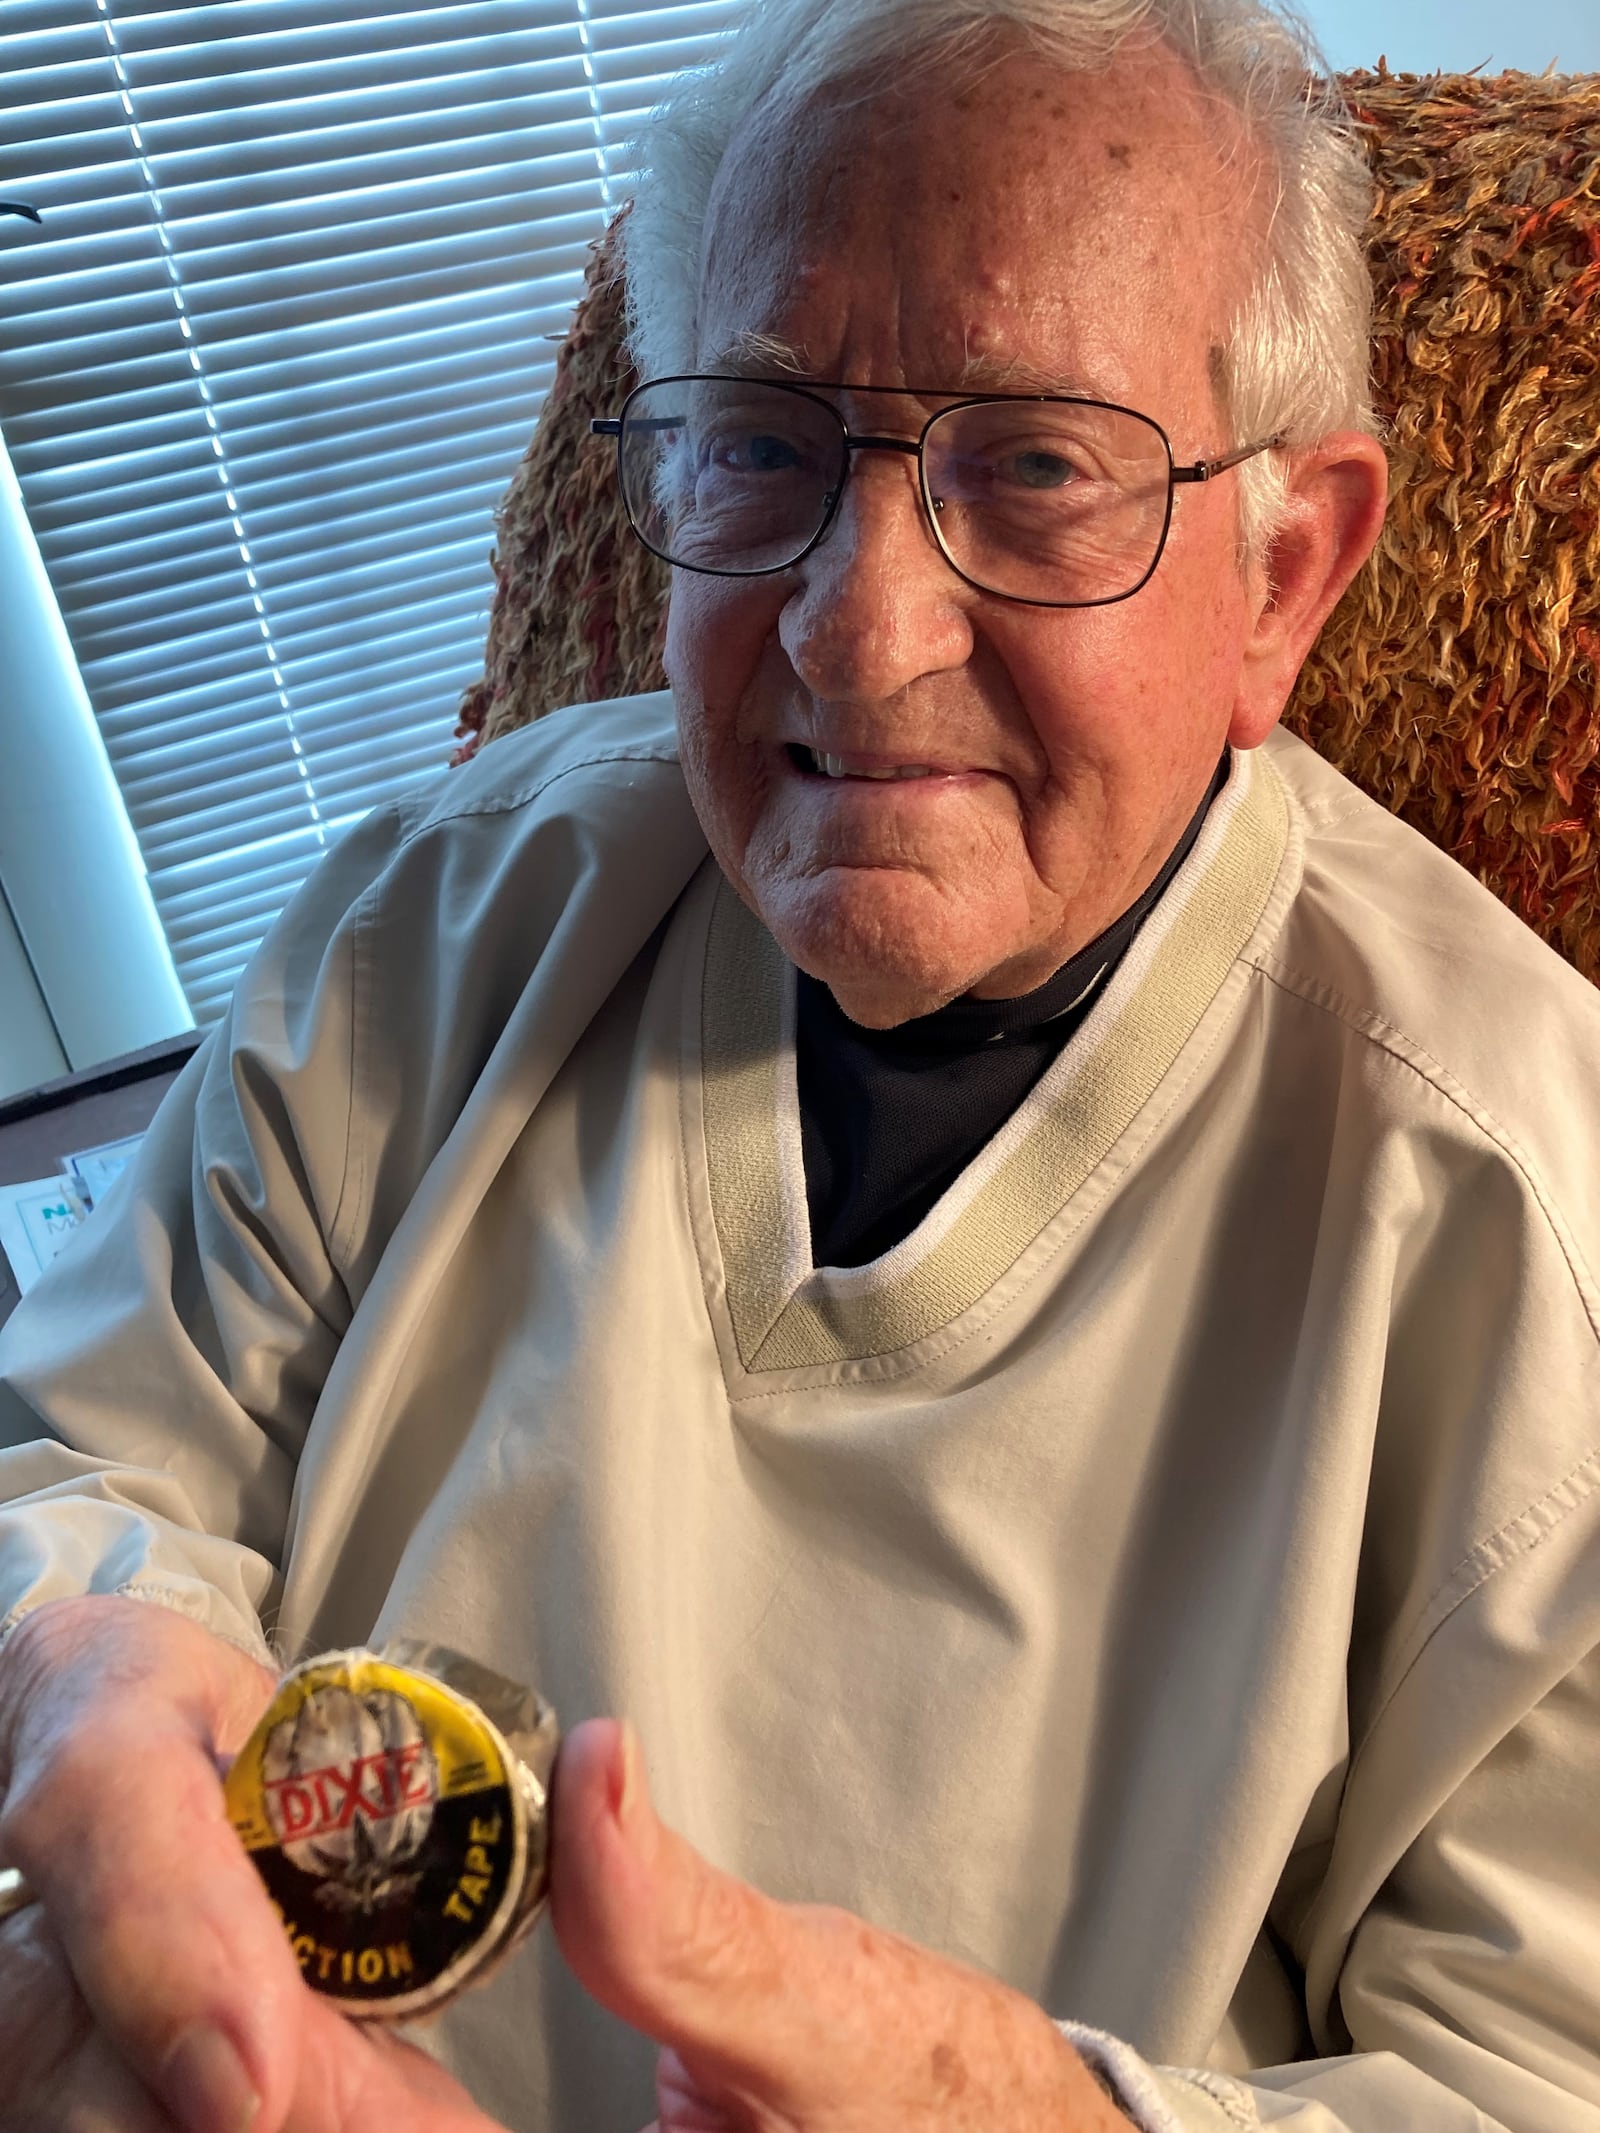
832	766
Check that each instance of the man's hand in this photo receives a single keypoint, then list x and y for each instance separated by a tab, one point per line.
779	2018
152	1987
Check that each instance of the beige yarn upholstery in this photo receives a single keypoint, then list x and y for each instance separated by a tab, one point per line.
1459	679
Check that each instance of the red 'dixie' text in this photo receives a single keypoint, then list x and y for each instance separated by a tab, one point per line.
319	1803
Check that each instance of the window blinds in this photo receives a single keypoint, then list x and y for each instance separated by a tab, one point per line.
266	368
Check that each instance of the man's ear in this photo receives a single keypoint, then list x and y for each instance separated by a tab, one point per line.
1338	489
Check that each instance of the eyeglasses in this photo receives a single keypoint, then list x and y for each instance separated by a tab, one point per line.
1056	502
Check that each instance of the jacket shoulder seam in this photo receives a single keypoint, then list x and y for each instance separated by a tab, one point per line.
435	816
1523	1531
415	815
1406	1052
1512	1541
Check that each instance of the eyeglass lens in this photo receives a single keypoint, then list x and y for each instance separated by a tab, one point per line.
1057	501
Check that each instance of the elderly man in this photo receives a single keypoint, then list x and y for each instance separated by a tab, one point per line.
1029	1326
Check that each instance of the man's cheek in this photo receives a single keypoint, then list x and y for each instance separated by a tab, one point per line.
719	630
729	788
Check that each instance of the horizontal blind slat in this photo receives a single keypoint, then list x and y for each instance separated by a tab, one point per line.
267	369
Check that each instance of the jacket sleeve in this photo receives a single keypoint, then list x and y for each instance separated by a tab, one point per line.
157	1384
1453	1951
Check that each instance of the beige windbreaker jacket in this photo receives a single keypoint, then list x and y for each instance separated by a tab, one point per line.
1169	1579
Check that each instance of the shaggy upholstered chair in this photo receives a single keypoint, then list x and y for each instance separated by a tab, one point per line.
1459	679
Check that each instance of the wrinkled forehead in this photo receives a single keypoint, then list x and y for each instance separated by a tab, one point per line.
982	216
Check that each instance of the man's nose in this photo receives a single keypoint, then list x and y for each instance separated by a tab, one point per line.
877	605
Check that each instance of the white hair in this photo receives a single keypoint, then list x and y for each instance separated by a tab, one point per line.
1295	360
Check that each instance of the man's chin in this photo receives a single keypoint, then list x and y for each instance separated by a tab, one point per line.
889	945
885	1002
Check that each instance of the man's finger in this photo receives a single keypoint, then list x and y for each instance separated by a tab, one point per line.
767	1993
354	2077
784	2014
114	1723
56	2068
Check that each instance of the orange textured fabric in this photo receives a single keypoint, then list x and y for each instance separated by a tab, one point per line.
1458	681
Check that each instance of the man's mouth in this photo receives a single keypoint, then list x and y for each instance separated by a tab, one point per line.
819	764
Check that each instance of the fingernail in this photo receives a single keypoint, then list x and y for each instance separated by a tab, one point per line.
626	1775
205	2086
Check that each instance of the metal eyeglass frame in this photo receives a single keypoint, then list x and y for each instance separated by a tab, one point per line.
1196	471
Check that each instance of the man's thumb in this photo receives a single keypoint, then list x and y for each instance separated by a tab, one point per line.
676	1948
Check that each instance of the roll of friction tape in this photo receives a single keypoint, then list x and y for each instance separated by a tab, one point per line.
396	1807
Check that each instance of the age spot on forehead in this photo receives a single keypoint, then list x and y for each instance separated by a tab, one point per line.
1119	152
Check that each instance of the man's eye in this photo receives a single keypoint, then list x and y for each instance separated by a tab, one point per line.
1038	468
757	452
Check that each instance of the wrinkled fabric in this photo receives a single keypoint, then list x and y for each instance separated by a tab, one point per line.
1186	1610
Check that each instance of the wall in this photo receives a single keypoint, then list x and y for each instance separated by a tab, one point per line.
1419	36
30	1050
82	949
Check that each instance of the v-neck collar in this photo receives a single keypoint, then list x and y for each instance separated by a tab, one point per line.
786	1315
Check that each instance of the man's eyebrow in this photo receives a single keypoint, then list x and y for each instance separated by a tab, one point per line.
1011	374
759	352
